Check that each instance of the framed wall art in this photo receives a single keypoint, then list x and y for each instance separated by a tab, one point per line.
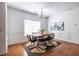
58	26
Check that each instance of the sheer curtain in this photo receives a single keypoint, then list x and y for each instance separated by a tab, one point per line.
31	26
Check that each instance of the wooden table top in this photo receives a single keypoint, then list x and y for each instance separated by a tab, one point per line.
40	35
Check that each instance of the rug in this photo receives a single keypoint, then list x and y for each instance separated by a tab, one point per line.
28	50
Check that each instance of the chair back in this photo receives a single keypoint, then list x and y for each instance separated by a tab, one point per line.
52	36
29	37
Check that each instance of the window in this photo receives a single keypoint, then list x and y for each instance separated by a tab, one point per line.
31	26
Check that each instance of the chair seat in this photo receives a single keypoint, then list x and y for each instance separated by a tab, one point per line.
43	47
35	50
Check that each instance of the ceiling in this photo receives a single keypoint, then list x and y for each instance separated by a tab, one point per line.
49	8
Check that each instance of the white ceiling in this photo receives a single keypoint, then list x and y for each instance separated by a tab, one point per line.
49	8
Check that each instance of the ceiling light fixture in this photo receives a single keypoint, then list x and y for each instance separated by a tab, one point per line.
41	14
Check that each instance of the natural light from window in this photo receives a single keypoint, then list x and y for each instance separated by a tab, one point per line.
31	26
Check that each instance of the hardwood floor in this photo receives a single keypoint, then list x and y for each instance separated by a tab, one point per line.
64	49
16	50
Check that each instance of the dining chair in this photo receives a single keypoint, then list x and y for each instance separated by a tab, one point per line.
32	40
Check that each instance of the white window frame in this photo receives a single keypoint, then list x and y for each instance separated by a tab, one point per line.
30	25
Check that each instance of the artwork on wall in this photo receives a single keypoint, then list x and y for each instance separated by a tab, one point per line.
58	26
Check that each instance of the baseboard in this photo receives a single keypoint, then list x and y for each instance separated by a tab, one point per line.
3	52
22	43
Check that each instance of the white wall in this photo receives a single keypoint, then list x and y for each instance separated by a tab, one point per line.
44	23
71	25
3	38
16	24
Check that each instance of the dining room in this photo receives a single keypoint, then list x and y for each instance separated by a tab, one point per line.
40	28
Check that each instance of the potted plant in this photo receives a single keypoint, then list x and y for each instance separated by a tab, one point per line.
42	30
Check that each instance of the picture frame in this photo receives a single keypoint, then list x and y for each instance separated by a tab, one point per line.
57	26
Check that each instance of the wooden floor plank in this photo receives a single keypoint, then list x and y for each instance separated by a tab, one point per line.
64	49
